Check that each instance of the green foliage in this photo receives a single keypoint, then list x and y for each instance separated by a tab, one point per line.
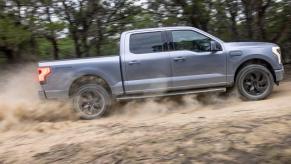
11	34
66	48
45	48
110	47
54	26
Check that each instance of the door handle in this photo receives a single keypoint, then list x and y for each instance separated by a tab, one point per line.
179	59
133	62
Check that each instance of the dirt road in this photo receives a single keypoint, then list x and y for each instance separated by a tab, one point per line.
211	130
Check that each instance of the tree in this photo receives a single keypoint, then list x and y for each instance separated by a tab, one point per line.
261	8
193	12
47	27
79	15
248	10
13	34
232	7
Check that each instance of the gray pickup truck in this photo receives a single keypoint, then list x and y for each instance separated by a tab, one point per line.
162	62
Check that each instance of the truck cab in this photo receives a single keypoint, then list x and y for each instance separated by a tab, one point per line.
158	60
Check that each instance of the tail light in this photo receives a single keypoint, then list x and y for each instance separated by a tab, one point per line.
43	73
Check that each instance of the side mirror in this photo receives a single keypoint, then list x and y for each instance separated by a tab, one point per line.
215	46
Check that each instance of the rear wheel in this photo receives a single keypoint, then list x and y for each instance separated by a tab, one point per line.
255	82
91	101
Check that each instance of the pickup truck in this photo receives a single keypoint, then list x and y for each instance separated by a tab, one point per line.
162	62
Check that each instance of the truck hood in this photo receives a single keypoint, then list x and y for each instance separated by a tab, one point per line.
249	44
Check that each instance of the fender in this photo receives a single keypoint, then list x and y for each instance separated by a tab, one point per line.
89	71
236	61
266	58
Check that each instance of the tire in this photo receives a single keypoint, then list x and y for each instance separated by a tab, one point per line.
91	101
254	82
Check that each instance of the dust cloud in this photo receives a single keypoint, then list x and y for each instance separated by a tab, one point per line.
144	109
167	105
20	106
19	102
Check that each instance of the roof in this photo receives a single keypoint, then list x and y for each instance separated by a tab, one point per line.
160	28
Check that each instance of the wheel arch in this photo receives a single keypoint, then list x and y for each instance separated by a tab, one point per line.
88	78
255	61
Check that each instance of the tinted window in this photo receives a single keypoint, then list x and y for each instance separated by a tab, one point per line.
190	40
146	43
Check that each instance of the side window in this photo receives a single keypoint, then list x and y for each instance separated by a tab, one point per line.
146	43
190	40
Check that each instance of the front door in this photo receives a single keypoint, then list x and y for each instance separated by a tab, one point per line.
193	63
147	65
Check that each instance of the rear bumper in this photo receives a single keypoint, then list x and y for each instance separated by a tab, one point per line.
279	75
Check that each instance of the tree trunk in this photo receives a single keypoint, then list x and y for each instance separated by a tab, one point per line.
204	25
247	4
76	44
98	47
52	36
249	21
85	46
9	54
233	8
55	48
234	31
77	49
33	45
99	39
260	25
261	11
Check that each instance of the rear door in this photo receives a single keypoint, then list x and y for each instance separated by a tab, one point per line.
193	63
147	64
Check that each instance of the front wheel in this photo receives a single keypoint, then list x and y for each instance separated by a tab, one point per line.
255	82
91	101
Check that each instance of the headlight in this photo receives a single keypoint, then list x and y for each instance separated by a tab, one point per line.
277	52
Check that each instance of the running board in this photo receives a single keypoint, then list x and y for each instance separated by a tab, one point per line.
171	93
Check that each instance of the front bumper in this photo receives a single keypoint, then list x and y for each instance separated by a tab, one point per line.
279	74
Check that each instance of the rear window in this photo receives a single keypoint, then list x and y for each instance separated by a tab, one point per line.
146	43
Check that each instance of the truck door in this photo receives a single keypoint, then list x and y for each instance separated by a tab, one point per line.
193	63
146	64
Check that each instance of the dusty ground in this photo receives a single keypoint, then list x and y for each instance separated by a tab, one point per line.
212	130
